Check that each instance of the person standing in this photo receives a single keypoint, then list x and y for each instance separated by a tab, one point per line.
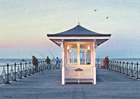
35	63
48	62
104	62
107	63
57	63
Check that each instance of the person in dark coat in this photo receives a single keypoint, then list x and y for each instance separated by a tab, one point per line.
48	62
107	63
35	63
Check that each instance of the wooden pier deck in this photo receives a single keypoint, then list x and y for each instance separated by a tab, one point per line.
47	85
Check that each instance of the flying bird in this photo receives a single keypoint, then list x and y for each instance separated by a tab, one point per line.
95	10
107	17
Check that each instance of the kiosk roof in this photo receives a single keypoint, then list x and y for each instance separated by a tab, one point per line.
77	31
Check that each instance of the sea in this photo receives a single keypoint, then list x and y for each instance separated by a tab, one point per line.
4	61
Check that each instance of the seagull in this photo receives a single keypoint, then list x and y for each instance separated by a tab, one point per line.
107	17
95	10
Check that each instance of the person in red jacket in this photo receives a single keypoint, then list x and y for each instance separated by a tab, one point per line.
104	62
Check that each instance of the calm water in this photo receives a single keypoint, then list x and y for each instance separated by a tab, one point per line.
12	61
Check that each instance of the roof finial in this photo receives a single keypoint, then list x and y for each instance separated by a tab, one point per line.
78	23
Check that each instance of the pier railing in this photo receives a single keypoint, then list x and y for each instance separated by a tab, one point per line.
126	68
12	72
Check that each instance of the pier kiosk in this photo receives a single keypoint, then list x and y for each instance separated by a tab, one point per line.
78	53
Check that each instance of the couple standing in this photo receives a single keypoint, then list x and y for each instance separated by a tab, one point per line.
35	63
57	62
106	62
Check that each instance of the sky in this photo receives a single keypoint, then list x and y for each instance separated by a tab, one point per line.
24	25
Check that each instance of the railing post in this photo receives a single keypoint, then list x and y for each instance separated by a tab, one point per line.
45	66
33	69
127	70
137	71
113	65
120	67
29	69
117	66
132	69
123	67
110	64
15	72
98	62
41	66
25	69
7	82
20	70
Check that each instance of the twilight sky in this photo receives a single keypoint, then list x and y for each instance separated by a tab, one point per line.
25	23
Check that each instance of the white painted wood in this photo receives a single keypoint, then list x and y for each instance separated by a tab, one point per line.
72	57
85	74
92	53
68	70
68	58
79	37
63	67
78	54
85	57
94	69
82	57
78	81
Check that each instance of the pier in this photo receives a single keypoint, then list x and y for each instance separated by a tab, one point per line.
47	85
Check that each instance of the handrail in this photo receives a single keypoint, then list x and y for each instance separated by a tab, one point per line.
12	72
127	68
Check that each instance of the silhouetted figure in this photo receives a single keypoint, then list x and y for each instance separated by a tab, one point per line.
107	63
35	63
48	63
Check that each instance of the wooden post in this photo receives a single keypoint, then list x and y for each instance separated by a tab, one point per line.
78	54
94	71
7	82
68	57
82	57
94	68
63	67
85	57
